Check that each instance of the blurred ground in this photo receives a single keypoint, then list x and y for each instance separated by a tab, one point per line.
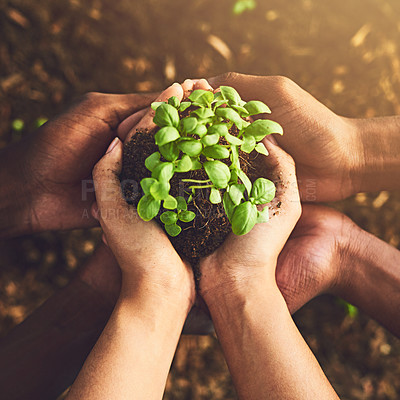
346	53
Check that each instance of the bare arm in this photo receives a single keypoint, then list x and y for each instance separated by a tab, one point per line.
41	357
266	354
370	279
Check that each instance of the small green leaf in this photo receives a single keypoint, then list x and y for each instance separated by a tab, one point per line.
203	113
255	107
181	206
236	193
170	151
229	206
170	203
263	216
184	164
166	115
215	196
169	217
218	129
260	148
184	105
202	97
200	130
160	190
218	172
156	104
163	172
233	140
234	177
146	183
230	94
244	218
186	216
148	207
231	115
196	164
219	103
249	144
235	157
173	230
188	124
152	161
243	5
166	135
174	102
216	151
241	111
263	127
209	140
263	191
191	147
40	121
245	180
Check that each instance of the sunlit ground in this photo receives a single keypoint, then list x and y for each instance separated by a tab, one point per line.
346	53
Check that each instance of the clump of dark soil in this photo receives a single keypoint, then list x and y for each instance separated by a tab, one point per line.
209	229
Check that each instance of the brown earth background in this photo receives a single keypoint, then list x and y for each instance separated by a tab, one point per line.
346	53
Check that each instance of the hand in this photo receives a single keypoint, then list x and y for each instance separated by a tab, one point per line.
325	146
253	257
143	251
314	257
53	165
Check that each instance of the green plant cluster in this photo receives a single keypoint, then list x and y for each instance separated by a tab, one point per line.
196	141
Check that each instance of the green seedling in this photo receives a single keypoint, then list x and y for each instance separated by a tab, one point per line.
204	139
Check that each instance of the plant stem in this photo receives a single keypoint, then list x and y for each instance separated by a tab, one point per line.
195	181
201	187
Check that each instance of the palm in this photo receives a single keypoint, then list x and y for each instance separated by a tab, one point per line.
308	264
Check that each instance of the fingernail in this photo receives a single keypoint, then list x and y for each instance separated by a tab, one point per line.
176	83
112	145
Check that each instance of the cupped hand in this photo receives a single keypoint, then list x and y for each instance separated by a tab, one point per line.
325	146
143	251
54	164
313	259
253	257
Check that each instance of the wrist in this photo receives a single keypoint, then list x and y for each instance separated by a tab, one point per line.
176	297
378	164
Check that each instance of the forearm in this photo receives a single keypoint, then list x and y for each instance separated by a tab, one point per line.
41	357
265	352
133	355
371	279
380	144
14	197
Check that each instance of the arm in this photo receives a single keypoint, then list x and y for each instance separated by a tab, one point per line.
370	278
266	354
380	140
335	157
134	353
264	350
47	350
329	253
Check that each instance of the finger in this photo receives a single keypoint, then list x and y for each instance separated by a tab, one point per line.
280	168
109	198
147	121
202	84
188	87
128	123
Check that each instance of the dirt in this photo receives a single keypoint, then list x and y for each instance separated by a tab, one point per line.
209	229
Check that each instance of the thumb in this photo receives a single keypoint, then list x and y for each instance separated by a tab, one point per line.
107	185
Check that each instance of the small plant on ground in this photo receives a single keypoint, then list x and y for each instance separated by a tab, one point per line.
209	136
